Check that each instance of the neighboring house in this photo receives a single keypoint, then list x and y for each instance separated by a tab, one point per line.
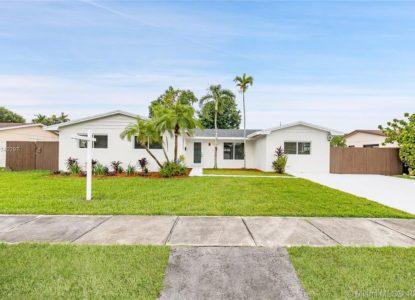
22	132
307	145
366	139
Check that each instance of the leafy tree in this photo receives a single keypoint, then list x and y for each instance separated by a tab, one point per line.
172	96
218	96
145	132
338	141
7	116
242	82
228	118
403	132
175	120
52	120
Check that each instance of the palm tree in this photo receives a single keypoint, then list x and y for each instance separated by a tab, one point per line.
176	120
242	82
63	118
42	119
218	96
145	132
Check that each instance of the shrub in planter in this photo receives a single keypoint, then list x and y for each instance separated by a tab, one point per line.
73	166
130	170
170	169
281	160
143	165
116	165
101	170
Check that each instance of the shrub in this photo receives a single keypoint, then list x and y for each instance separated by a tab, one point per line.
116	165
170	169
143	164
130	170
73	166
120	169
101	170
281	160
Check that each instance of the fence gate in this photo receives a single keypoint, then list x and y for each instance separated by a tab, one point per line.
383	161
32	155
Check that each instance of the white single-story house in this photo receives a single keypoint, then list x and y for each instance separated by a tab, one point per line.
22	132
367	139
307	145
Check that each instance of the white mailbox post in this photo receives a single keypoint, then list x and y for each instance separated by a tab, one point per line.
89	139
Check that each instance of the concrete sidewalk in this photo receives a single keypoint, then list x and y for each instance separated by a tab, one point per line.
208	231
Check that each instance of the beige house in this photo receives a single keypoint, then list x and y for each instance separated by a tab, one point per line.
367	139
22	132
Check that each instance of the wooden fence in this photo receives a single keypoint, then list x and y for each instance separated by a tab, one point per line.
32	155
383	161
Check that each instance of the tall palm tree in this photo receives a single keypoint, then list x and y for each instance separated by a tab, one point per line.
242	82
145	132
176	120
218	96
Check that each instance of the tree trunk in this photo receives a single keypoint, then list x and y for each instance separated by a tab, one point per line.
176	135
215	165
164	150
243	97
152	155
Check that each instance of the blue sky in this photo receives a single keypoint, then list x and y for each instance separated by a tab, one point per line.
339	64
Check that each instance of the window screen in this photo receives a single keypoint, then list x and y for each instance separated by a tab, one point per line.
227	151
137	145
101	141
290	147
304	148
239	151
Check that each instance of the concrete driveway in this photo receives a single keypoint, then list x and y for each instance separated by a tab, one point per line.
391	191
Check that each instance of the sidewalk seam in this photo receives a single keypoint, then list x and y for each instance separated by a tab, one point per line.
88	231
171	231
309	222
11	228
249	231
392	229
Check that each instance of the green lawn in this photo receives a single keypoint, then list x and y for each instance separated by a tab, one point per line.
406	177
355	273
41	193
240	172
45	271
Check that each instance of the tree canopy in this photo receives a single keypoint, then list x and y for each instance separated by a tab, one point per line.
402	131
7	116
338	141
172	96
229	117
52	120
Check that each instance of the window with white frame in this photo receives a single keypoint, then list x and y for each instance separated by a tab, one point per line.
137	145
101	141
300	148
233	151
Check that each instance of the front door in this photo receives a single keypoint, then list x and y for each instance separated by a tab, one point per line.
197	153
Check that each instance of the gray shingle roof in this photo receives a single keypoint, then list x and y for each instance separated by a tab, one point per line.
224	133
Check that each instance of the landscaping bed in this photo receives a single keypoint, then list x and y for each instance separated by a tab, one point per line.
46	271
355	273
37	192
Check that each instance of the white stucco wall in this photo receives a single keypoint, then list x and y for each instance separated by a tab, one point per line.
317	162
360	139
118	149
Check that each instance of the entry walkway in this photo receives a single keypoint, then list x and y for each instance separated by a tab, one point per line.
208	231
